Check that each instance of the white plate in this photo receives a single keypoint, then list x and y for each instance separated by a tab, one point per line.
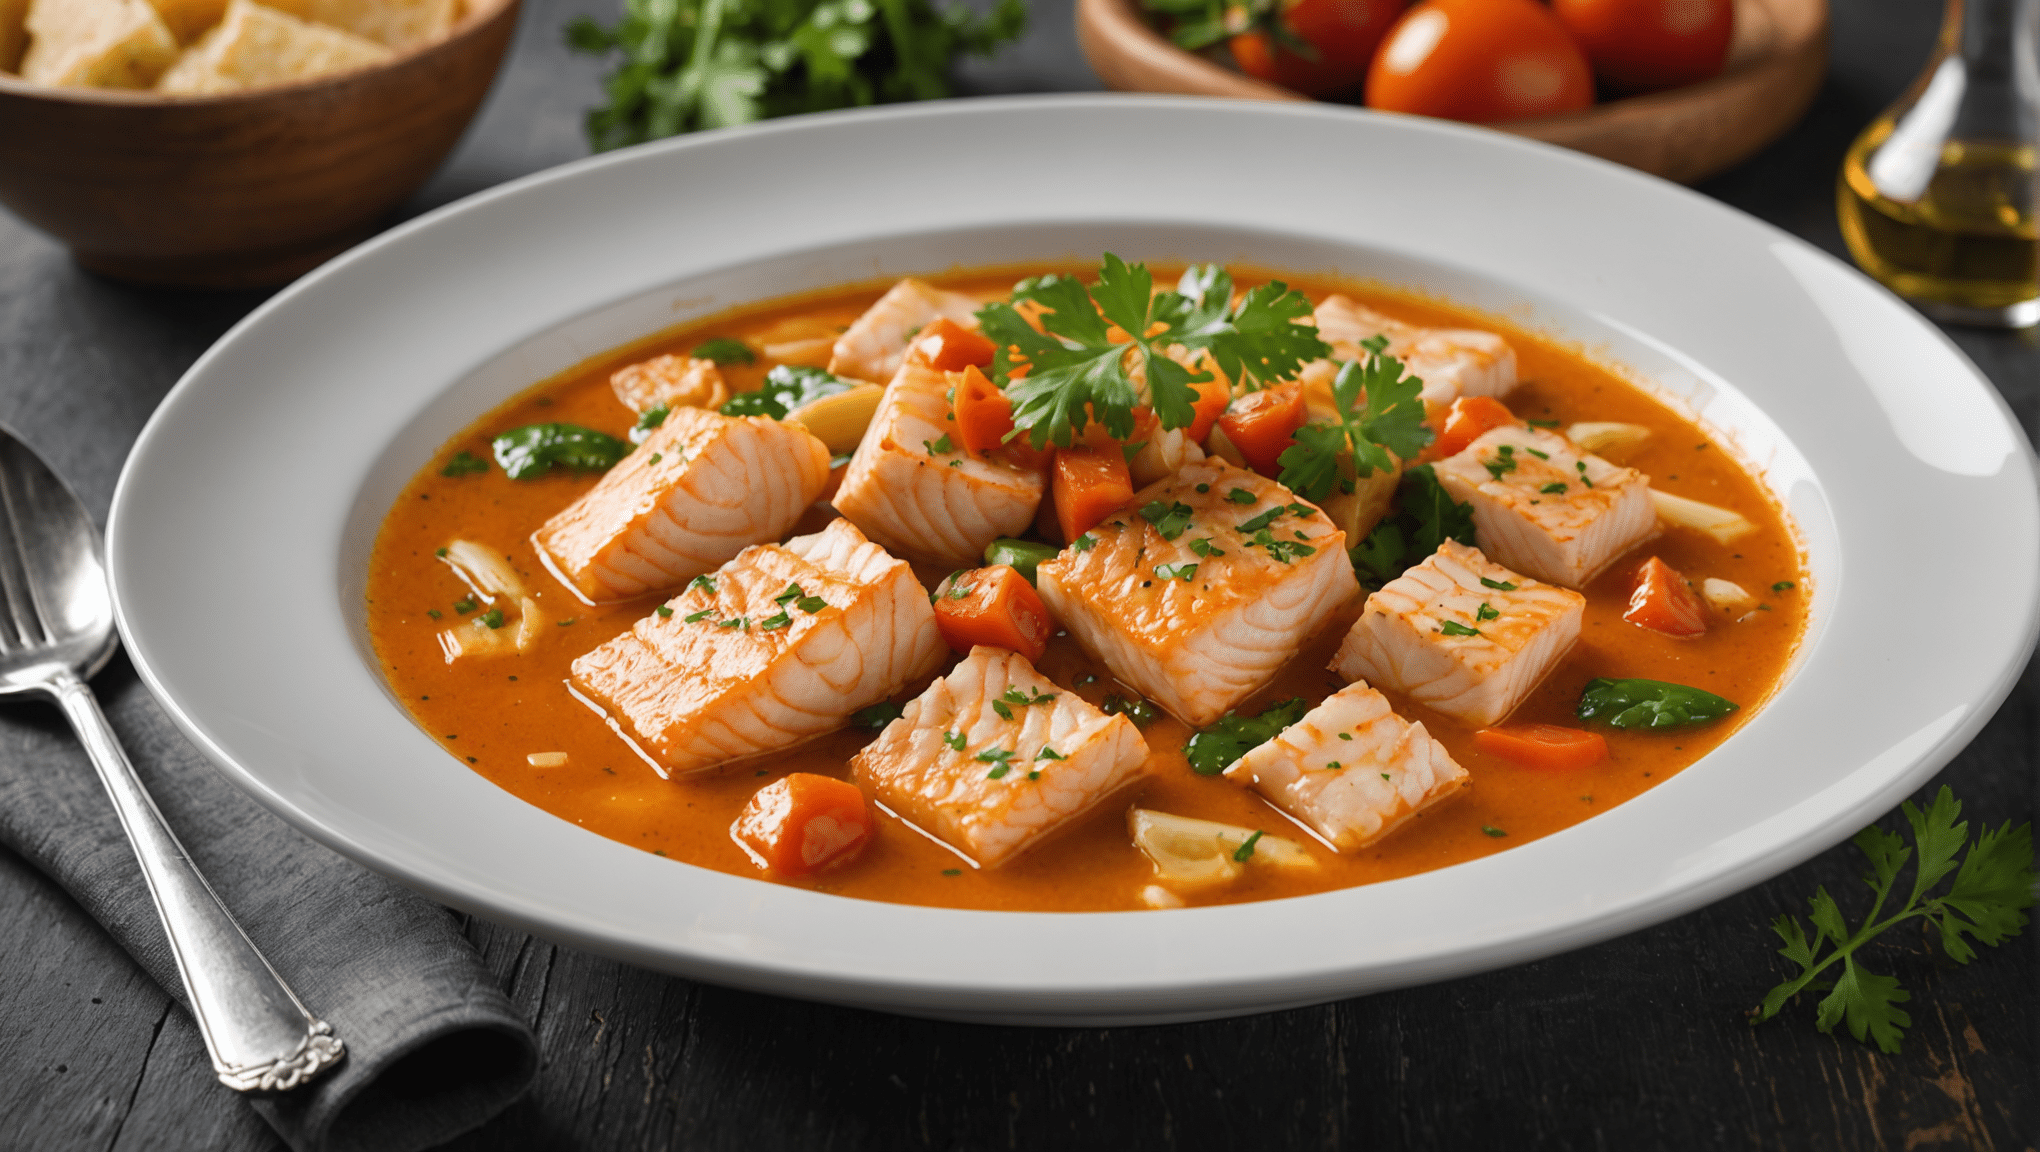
243	522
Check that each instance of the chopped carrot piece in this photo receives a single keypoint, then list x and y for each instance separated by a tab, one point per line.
1089	485
1212	397
994	606
1546	746
1664	602
948	346
803	823
1468	418
983	414
1262	424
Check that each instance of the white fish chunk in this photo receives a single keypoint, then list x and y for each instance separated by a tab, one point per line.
912	487
1547	509
1188	607
876	344
738	667
1462	634
698	491
1452	362
1351	770
993	757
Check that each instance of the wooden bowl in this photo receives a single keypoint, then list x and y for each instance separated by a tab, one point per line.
1687	134
248	189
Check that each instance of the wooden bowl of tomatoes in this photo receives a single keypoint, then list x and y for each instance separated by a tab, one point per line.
1679	88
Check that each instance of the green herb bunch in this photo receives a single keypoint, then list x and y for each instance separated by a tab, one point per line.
690	64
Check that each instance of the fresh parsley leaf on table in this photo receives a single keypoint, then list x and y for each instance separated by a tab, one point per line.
690	64
1380	420
1076	372
1987	901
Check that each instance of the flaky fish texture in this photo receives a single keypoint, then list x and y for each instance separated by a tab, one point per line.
1351	770
1186	606
779	646
1507	633
993	757
700	490
670	382
875	345
1452	362
912	487
1547	509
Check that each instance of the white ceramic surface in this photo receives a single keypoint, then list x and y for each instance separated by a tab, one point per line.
242	525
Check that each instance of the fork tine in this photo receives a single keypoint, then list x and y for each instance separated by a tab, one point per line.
24	626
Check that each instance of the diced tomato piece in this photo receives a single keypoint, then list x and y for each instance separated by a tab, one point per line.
1212	397
994	606
1468	418
945	345
1664	602
983	414
1088	485
803	823
1262	424
1546	746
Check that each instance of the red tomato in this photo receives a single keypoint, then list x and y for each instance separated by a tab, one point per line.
1646	45
1663	602
1480	60
1343	33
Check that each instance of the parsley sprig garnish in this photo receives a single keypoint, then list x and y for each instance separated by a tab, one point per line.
1380	421
1992	888
1077	373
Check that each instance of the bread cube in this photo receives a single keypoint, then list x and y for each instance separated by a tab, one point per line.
13	33
1547	509
189	19
1461	634
257	46
1452	362
1202	588
96	43
779	646
993	757
400	25
1351	770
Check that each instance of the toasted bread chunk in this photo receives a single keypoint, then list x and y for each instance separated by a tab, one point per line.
1351	770
1462	634
1545	508
400	25
13	33
670	382
738	666
96	43
256	46
1452	362
1199	604
912	487
189	19
698	491
876	344
993	757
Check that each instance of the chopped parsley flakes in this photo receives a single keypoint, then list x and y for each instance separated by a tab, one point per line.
1455	628
1171	520
1183	572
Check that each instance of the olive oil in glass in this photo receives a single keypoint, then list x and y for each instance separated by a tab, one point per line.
1936	197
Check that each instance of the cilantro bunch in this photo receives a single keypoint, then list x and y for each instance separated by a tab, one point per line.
1076	372
1986	902
1380	421
690	64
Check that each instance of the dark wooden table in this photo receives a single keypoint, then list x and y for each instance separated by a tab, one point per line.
1637	1043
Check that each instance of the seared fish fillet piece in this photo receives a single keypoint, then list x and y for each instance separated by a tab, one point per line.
1452	362
1547	509
781	645
694	494
1469	649
670	382
1200	603
993	757
912	487
875	345
1351	791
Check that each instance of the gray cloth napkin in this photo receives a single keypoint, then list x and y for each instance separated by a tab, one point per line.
434	1048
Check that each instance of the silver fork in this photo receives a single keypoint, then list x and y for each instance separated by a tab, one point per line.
56	631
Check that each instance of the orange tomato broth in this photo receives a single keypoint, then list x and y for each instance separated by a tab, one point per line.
491	712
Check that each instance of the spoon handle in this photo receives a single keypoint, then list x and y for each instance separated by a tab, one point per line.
260	1037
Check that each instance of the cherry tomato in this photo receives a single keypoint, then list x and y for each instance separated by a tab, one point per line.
1343	34
1646	45
1480	60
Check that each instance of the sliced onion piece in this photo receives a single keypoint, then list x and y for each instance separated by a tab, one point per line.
485	571
839	420
1726	596
1192	853
1603	437
1720	523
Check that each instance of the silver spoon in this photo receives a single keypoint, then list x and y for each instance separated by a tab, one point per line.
56	630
